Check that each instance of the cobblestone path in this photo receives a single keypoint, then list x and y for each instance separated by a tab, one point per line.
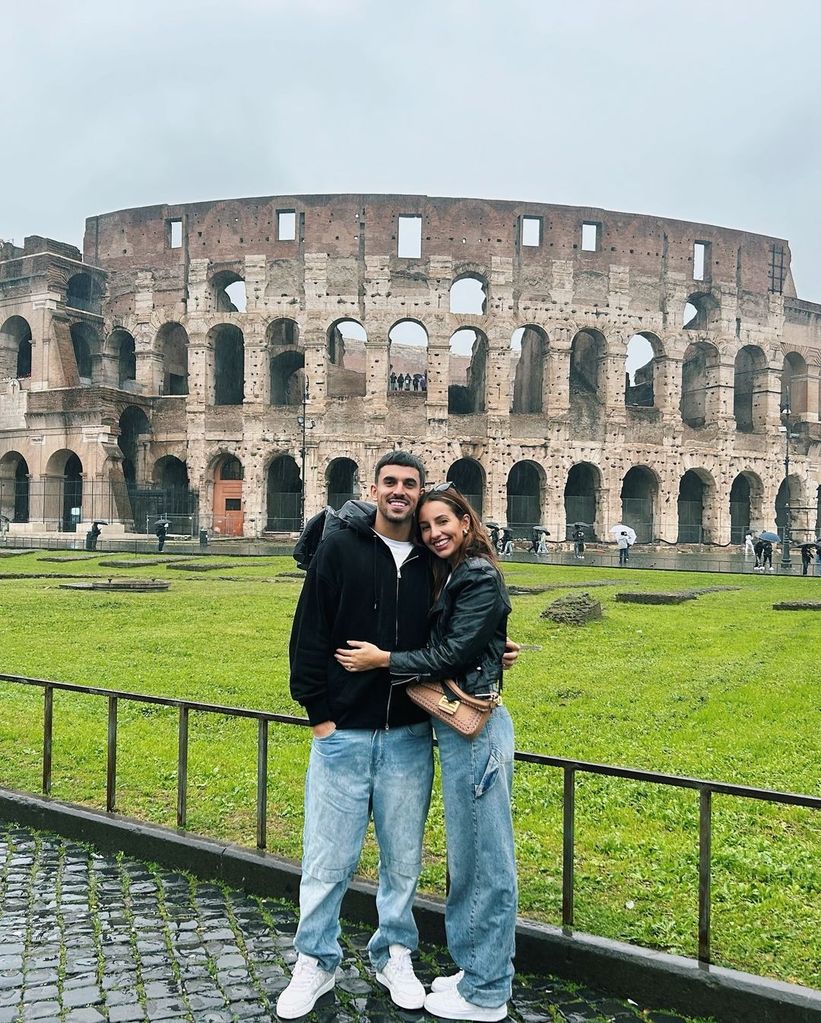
86	937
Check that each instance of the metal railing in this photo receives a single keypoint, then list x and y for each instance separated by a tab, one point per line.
570	768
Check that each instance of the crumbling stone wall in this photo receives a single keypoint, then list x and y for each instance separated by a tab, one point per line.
165	276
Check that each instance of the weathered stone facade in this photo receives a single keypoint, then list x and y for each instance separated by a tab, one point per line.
175	351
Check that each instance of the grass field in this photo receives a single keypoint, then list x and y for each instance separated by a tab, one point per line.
722	687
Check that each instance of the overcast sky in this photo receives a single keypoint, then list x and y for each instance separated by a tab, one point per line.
707	111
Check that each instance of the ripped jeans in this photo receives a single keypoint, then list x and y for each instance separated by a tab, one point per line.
480	916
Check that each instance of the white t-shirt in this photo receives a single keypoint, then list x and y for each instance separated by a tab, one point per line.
400	549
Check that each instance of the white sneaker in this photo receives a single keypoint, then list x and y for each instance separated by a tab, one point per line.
308	983
451	1005
447	983
398	977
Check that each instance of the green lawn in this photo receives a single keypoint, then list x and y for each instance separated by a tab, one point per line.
721	687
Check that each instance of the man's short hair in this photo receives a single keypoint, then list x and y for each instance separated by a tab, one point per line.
400	458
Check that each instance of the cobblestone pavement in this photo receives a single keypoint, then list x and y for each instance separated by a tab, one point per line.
86	937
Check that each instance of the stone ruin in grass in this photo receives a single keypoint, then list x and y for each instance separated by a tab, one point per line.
575	609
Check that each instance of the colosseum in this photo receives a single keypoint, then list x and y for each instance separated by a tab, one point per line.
236	365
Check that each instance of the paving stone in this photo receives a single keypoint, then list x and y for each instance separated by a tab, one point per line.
176	950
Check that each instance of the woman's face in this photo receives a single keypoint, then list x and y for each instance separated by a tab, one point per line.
442	530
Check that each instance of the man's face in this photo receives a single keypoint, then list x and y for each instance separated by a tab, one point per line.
396	493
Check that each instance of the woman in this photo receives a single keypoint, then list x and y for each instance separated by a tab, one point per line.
467	641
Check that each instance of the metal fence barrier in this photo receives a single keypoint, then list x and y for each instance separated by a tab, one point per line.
570	768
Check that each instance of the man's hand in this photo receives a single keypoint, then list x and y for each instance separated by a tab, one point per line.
324	729
511	653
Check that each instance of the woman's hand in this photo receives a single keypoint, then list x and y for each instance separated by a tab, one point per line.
359	656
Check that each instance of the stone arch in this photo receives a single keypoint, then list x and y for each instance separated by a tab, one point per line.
790	492
794	384
701	311
282	333
284	495
228	292
529	346
469	293
346	359
526	489
582	492
746	496
468	477
172	344
467	376
287	372
134	425
123	350
15	348
341	481
15	489
644	352
750	390
699	384
587	354
84	292
64	498
176	500
86	343
229	364
228	515
408	357
696	494
639	497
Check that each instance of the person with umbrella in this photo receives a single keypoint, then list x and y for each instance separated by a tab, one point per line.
806	556
764	550
625	537
162	532
578	539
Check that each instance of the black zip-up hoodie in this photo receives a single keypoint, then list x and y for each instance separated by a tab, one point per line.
353	591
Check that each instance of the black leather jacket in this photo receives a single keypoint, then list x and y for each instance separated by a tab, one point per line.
468	631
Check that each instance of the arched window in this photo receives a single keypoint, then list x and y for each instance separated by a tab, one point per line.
581	498
229	364
84	292
172	343
468	294
122	344
528	347
639	492
85	342
346	359
699	384
228	292
794	384
407	358
468	476
468	372
282	333
15	348
750	390
524	497
284	496
342	479
587	353
639	371
229	509
14	487
691	508
701	312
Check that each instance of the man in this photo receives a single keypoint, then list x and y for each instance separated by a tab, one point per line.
372	747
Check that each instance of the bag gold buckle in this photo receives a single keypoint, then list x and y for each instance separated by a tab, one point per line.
448	706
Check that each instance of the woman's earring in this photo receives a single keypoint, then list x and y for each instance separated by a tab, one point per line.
464	532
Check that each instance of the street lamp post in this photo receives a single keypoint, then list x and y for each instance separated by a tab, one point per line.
786	564
305	425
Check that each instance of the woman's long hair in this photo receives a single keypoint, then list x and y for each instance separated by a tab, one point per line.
477	542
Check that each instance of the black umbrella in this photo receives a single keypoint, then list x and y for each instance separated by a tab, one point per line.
162	522
100	522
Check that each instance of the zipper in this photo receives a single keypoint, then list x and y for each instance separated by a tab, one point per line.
412	556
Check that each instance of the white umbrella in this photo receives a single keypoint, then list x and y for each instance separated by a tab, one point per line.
626	531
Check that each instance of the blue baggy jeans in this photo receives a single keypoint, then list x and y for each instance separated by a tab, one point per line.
480	914
354	774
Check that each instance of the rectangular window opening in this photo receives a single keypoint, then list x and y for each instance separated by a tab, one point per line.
532	231
776	272
409	245
701	260
175	234
286	225
590	236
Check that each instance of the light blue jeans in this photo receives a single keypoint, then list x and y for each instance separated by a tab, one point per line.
354	774
480	915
